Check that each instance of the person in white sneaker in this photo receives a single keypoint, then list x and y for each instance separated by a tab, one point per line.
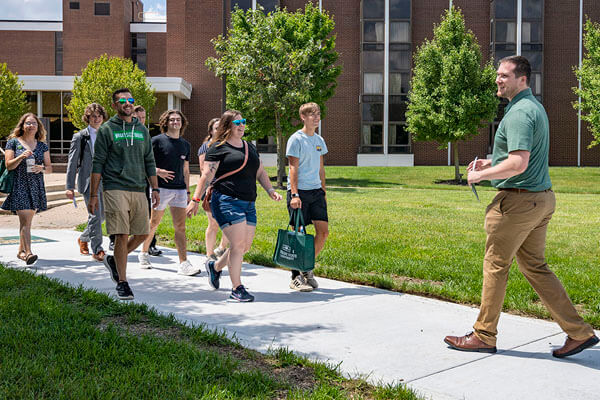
306	186
172	156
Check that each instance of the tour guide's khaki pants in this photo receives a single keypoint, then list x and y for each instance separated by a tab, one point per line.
516	225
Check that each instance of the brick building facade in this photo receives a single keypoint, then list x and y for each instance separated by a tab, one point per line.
173	55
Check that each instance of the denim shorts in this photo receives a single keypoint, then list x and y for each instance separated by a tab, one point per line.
228	210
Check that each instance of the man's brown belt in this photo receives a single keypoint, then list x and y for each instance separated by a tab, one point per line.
522	190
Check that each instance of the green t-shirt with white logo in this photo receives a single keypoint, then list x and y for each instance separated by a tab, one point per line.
524	127
123	155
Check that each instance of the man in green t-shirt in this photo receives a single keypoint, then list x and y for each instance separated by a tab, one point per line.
124	161
517	219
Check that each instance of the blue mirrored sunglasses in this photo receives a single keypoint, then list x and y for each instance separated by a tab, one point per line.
238	122
131	100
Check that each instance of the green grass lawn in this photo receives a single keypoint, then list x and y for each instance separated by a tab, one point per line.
395	228
59	342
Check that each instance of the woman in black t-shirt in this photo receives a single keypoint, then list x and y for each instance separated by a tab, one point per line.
233	197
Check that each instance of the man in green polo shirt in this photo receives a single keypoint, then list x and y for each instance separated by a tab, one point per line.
517	219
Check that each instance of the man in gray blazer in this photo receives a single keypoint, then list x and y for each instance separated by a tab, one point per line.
81	154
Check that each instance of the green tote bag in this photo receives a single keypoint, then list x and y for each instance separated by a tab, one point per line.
6	177
295	249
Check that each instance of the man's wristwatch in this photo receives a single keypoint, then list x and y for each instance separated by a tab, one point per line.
295	195
157	190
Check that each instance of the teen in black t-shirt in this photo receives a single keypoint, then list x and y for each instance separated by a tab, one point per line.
171	154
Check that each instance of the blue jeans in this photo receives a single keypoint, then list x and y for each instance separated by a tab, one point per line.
229	210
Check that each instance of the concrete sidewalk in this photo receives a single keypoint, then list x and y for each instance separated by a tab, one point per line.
384	336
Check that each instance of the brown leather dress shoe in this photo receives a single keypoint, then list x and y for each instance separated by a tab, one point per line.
469	342
99	256
83	247
572	346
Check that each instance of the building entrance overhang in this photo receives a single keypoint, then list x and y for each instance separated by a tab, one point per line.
175	86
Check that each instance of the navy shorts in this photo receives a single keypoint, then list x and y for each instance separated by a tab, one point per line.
229	210
314	205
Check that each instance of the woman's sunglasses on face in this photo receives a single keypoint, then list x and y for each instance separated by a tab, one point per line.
238	122
130	100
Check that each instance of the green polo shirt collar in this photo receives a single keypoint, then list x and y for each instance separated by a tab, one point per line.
521	95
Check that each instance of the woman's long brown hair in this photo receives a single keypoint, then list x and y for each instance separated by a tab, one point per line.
224	129
40	135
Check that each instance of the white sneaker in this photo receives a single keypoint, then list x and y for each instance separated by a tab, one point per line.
144	260
299	284
310	279
186	268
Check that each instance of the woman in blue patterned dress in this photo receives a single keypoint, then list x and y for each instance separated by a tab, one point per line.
27	154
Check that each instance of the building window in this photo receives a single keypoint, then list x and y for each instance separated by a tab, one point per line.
399	139
504	36
399	78
138	50
60	128
504	44
241	4
372	66
101	8
74	5
269	5
374	80
58	53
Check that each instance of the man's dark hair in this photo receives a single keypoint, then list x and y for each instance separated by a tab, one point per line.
522	66
163	121
116	92
139	108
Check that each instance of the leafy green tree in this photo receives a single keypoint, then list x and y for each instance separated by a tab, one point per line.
100	78
589	73
452	94
273	64
13	101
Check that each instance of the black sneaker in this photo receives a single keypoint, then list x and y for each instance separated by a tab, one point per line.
124	291
153	251
213	274
240	294
111	266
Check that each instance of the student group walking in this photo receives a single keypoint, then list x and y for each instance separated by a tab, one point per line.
128	179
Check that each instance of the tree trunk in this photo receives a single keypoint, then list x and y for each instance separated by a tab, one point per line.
457	174
280	153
